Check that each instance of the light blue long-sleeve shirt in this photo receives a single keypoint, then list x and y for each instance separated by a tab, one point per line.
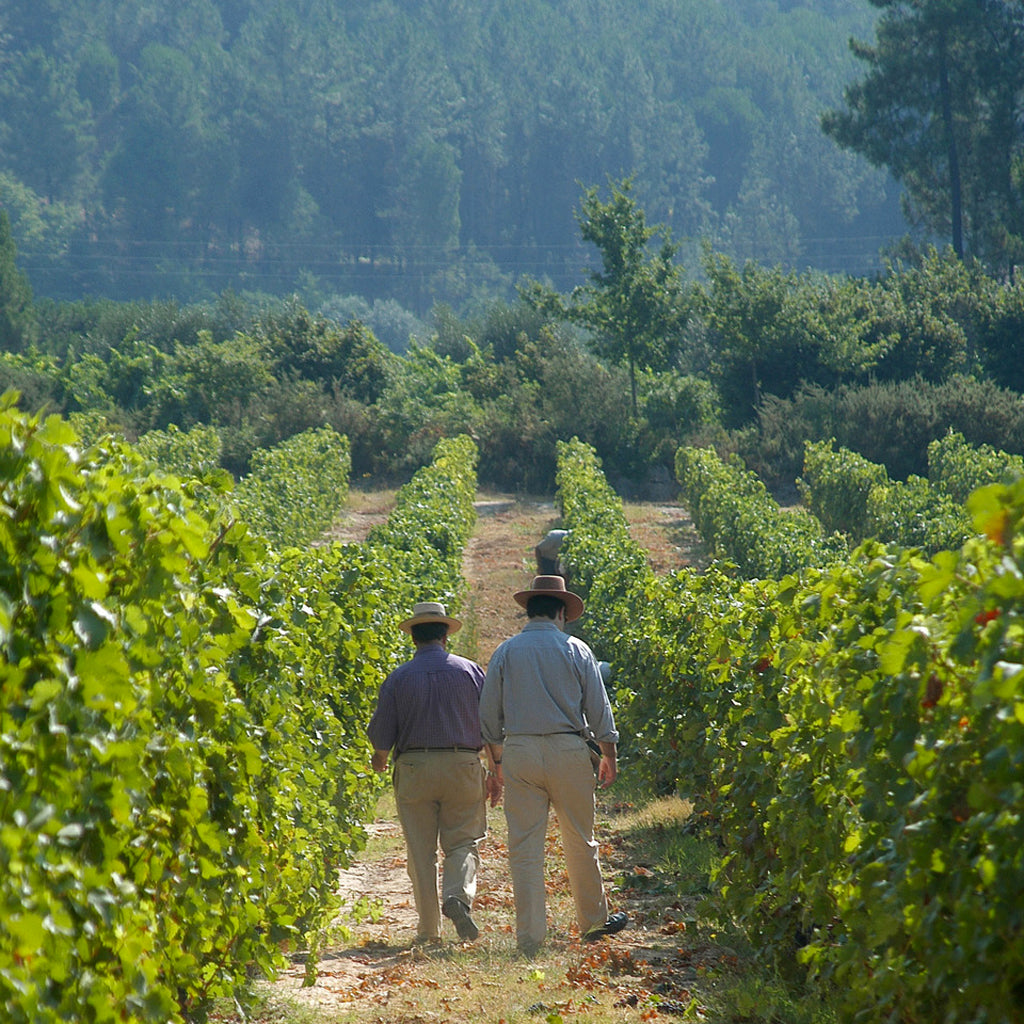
544	681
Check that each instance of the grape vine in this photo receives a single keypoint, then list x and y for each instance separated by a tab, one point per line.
183	764
853	732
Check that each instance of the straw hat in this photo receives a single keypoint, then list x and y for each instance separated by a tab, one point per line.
429	611
552	586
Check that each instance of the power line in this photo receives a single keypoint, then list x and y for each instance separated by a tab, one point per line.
383	264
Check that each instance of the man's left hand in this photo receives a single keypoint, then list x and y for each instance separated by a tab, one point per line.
494	787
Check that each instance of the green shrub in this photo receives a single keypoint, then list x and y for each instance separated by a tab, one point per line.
931	317
314	348
891	424
593	513
1002	336
297	489
836	487
853	737
433	518
183	759
189	453
741	523
154	849
850	494
957	468
35	378
914	514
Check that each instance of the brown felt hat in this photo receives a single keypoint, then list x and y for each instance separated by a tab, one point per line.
429	611
552	586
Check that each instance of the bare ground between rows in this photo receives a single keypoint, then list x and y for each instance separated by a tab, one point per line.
366	957
378	974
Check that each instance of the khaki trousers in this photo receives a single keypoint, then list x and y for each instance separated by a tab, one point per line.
542	772
441	800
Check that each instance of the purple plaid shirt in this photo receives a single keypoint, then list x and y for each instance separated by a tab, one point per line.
431	701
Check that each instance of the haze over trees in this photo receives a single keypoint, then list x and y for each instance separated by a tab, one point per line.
940	105
418	150
347	213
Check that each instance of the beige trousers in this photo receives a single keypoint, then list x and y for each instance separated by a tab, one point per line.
441	801
544	772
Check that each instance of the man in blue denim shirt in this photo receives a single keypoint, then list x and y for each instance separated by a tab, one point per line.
542	699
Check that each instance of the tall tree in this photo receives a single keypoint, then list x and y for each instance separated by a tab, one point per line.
942	106
636	305
45	129
17	314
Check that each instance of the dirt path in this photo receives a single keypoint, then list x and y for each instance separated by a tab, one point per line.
497	562
368	958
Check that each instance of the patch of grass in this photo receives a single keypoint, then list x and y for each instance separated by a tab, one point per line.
658	813
372	500
665	842
264	1008
762	999
386	809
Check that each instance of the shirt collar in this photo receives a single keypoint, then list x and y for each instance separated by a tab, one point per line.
542	624
432	648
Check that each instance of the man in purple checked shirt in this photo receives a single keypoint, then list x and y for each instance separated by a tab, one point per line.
428	720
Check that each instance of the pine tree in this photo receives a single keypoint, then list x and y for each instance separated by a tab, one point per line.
941	107
17	314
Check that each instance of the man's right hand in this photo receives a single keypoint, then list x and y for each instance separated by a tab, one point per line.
608	769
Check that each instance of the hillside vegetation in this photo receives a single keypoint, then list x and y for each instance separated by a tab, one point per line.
415	150
752	361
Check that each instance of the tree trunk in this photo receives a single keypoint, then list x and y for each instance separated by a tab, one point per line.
953	157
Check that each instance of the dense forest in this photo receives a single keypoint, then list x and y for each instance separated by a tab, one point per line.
753	361
417	151
169	174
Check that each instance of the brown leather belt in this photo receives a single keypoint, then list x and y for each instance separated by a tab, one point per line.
427	750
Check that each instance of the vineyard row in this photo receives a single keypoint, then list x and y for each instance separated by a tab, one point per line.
183	761
851	731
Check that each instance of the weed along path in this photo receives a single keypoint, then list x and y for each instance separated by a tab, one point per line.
664	965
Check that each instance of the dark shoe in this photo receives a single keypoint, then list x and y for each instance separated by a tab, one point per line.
615	923
458	913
